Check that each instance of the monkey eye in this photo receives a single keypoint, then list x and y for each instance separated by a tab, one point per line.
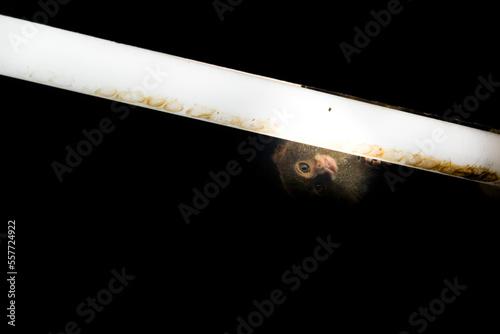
304	168
319	188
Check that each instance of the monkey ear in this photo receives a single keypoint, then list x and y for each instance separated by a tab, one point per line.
279	153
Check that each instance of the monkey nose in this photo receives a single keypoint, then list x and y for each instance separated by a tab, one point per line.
326	164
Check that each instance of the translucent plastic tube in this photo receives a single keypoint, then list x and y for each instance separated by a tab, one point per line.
110	70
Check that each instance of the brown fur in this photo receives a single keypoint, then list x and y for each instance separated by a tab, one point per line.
350	183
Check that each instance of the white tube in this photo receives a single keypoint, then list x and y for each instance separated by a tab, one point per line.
184	87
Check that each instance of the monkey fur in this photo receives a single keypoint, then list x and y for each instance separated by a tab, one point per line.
313	172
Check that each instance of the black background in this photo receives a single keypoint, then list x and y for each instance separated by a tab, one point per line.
119	208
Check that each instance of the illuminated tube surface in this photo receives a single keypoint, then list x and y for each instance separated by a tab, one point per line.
149	79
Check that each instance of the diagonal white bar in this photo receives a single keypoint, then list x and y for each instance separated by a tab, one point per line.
188	88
